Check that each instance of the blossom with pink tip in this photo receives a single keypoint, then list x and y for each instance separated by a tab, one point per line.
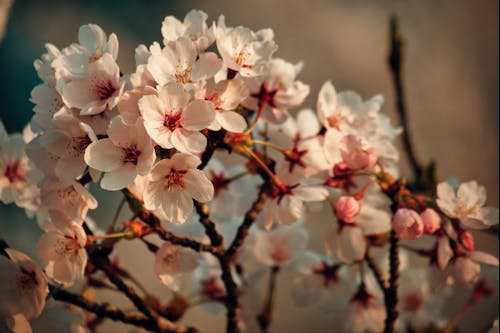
431	219
62	248
173	121
173	184
408	224
172	262
347	208
23	286
126	153
467	205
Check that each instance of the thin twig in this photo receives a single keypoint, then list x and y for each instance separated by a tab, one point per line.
265	317
395	63
210	229
250	217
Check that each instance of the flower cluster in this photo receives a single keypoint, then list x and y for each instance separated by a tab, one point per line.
204	123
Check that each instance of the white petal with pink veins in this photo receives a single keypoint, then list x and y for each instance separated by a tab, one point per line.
188	141
198	185
103	155
198	115
119	178
231	121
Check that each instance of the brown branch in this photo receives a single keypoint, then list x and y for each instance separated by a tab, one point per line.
250	217
391	296
210	229
106	310
231	300
395	61
265	317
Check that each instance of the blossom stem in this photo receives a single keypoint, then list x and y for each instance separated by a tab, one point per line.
125	234
270	145
264	167
210	230
117	213
262	105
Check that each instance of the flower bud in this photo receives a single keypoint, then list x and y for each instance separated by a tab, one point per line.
408	224
467	240
431	219
347	208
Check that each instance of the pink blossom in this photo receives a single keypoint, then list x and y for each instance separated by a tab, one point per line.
431	219
408	224
347	208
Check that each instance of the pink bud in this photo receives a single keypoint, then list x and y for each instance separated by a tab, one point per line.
408	224
432	220
467	240
357	153
347	208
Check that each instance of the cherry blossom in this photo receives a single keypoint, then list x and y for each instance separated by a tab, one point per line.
23	286
276	91
62	248
174	122
408	224
431	219
173	184
18	176
179	62
68	139
279	246
364	313
99	90
243	50
347	208
172	261
226	95
193	27
467	205
126	152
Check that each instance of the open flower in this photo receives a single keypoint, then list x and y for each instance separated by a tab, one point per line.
174	122
23	286
173	184
467	205
193	27
179	62
99	90
62	248
172	261
126	152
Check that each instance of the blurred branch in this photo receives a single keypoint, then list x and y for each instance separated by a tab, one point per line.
265	317
391	295
396	57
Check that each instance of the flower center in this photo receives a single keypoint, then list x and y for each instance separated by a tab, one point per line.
26	281
328	273
463	209
210	289
172	121
220	182
130	154
174	179
67	246
14	172
413	302
79	144
105	89
336	120
183	76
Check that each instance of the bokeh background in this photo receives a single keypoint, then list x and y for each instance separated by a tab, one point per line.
451	77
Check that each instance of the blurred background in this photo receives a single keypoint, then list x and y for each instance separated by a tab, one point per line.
451	77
